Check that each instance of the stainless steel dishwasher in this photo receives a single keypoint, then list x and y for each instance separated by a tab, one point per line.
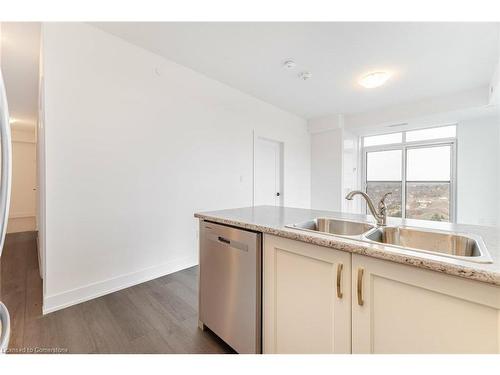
230	285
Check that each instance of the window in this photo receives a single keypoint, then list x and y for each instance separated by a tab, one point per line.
418	170
428	183
384	174
432	133
383	139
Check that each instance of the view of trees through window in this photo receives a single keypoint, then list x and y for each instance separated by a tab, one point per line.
428	201
418	173
377	189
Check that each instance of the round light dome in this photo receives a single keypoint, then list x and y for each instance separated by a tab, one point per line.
374	79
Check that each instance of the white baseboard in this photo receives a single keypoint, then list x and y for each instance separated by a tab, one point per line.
75	296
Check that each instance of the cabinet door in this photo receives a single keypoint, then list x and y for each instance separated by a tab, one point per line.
402	309
306	298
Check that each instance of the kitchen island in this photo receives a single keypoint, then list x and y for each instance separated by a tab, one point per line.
323	293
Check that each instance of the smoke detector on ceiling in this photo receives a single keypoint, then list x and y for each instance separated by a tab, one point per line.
289	64
305	75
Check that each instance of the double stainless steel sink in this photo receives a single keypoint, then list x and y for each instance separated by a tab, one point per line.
468	247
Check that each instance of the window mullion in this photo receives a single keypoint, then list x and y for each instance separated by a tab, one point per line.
403	180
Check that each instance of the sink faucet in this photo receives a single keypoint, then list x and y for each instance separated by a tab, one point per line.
381	214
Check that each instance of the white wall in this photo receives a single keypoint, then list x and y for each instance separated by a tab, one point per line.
477	171
421	113
351	171
134	145
41	163
495	100
326	170
334	164
497	104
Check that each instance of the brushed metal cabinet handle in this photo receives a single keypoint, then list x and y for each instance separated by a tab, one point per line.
360	286
340	267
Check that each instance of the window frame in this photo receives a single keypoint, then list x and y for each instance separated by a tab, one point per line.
404	146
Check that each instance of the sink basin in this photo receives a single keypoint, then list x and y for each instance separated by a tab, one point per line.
334	226
460	246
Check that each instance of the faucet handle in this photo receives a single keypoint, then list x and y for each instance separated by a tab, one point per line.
381	203
382	208
384	197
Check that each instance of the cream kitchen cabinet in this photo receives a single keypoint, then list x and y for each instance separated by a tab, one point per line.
306	298
399	308
321	300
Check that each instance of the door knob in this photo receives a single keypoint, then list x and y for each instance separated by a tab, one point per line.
277	194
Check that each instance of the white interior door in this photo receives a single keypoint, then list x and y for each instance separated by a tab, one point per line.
23	200
268	172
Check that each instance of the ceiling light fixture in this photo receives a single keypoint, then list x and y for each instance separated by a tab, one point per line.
374	79
13	120
305	75
289	64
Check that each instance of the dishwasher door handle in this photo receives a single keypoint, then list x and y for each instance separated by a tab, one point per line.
224	240
231	243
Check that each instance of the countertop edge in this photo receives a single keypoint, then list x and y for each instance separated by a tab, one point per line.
362	248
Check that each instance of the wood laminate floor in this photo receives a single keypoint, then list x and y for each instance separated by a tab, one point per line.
159	316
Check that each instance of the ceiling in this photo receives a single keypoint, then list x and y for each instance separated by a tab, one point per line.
427	59
20	52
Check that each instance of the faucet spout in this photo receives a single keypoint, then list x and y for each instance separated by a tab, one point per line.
379	215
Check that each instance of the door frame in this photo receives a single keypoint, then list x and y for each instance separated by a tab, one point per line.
281	144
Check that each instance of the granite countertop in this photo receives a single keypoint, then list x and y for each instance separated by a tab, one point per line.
273	220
